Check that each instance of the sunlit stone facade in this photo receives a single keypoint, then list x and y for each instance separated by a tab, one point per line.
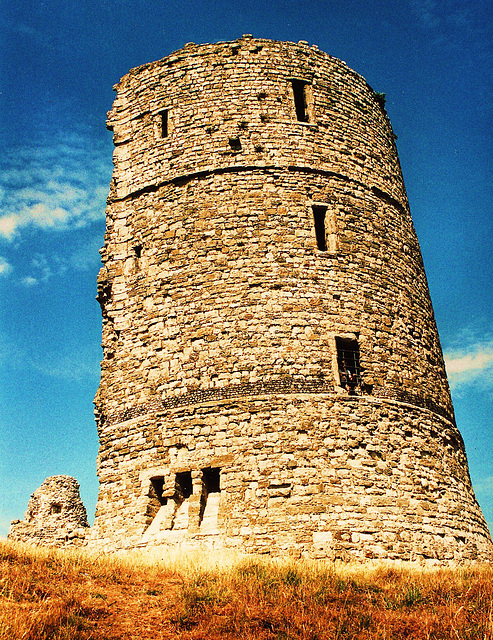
272	377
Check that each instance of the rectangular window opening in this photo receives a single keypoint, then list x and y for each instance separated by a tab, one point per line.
209	502
299	92
211	480
319	220
157	485
184	486
164	123
348	363
155	500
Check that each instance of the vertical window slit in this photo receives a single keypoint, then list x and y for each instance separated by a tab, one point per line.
164	123
155	499
211	480
157	485
319	220
209	504
299	92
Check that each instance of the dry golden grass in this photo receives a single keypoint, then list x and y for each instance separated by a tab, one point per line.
49	594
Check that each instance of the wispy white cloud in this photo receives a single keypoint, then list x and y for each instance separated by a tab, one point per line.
58	184
43	267
73	367
41	38
5	267
455	25
448	14
471	364
87	255
29	281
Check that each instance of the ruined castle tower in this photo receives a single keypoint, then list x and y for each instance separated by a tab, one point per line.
272	377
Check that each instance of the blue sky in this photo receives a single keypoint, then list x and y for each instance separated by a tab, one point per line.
58	63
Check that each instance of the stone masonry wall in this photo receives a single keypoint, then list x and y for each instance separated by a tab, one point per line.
261	290
224	413
55	515
330	477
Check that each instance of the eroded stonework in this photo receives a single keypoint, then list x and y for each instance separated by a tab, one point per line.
55	515
272	377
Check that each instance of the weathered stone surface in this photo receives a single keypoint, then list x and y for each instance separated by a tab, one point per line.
55	515
257	226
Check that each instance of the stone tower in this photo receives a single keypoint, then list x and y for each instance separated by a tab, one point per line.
272	377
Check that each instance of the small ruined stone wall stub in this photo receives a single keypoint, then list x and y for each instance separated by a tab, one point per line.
55	515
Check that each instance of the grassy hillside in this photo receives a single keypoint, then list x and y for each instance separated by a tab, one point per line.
65	595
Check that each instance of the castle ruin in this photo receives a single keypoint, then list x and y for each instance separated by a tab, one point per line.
55	516
272	378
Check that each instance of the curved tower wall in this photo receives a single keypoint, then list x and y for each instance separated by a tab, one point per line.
257	225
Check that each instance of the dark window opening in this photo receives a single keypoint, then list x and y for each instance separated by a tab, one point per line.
56	508
299	91
164	123
348	363
211	480
184	486
211	484
155	498
157	486
235	144
319	219
138	250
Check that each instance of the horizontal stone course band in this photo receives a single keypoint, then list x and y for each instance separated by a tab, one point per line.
205	173
279	386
